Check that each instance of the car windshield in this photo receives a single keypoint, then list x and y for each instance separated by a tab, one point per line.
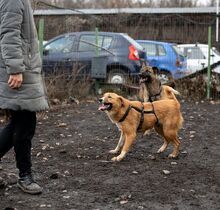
133	42
178	50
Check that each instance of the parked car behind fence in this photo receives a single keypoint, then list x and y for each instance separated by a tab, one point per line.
165	57
197	57
112	57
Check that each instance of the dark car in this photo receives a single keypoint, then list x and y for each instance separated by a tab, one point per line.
113	57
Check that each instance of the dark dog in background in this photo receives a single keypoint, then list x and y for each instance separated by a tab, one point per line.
151	88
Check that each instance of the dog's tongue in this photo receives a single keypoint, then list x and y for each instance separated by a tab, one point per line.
102	107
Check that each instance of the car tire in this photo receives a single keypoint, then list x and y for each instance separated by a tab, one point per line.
117	76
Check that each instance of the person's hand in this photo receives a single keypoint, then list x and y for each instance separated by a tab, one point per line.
15	80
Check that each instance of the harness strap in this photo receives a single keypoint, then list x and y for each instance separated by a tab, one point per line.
142	111
126	114
142	117
158	122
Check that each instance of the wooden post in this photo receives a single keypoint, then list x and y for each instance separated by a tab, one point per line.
209	67
97	84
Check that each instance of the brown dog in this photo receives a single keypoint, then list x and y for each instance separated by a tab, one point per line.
151	88
133	116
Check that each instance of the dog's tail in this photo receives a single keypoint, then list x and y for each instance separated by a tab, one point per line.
170	92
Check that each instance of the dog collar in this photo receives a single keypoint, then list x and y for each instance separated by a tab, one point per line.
154	97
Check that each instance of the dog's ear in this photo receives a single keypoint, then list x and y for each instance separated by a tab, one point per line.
156	71
121	100
143	62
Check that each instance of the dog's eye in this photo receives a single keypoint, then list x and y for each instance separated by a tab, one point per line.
109	96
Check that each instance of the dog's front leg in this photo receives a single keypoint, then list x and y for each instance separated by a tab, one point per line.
146	96
129	139
119	145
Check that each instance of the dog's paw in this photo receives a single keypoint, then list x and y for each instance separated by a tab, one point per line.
113	151
114	159
172	156
147	132
117	159
159	151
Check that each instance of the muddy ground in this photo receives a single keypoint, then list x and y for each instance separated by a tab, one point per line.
71	162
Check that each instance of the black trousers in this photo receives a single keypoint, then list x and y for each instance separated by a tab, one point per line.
18	133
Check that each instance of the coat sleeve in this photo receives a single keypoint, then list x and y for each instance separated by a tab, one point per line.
10	36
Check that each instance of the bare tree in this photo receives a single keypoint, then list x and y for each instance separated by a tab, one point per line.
212	3
177	3
99	4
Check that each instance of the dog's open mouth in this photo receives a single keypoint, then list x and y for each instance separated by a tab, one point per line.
105	107
144	79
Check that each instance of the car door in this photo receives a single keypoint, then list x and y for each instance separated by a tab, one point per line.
196	60
157	56
151	53
89	46
213	56
165	62
58	55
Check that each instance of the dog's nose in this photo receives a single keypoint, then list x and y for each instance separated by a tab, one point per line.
100	100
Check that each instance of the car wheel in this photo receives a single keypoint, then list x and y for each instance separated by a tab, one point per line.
165	78
117	76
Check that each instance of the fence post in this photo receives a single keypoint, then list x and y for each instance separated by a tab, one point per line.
97	83
209	67
41	36
97	41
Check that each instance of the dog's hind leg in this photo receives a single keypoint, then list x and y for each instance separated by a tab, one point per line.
159	130
119	145
176	145
129	139
171	136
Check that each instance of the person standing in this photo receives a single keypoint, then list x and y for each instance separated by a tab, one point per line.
22	90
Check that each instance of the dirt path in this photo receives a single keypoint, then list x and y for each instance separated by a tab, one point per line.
71	161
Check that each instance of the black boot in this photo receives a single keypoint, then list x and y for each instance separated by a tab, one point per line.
27	184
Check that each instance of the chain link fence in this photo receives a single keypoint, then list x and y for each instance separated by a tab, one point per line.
179	28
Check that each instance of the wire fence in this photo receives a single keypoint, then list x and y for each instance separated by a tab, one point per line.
175	28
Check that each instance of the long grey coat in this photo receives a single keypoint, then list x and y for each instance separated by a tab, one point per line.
19	52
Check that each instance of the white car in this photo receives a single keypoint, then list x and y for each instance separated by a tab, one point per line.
197	57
